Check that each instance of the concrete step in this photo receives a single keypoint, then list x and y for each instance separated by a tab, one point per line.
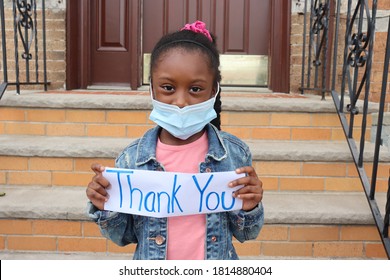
282	165
266	117
141	100
107	147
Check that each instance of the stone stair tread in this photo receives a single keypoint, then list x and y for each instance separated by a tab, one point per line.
110	147
140	100
69	203
61	146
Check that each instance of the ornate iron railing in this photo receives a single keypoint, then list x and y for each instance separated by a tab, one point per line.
28	64
358	47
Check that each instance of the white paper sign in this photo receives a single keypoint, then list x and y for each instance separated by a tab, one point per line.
164	194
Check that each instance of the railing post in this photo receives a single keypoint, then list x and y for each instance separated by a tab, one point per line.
16	47
3	41
318	47
336	44
4	84
324	44
304	48
45	83
385	231
378	139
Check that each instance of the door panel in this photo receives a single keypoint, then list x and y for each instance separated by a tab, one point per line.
110	43
241	27
259	27
112	27
236	27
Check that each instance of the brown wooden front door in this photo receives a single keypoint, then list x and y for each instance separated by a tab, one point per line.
105	45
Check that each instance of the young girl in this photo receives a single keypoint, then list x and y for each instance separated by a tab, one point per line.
184	87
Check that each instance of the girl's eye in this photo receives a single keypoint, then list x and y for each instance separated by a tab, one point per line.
196	89
168	88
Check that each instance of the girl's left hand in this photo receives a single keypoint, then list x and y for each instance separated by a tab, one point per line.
252	192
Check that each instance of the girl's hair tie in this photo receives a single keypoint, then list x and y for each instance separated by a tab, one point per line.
198	27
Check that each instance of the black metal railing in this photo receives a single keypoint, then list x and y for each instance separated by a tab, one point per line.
359	21
28	66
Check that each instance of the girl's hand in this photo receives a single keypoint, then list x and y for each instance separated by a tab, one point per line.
252	192
96	190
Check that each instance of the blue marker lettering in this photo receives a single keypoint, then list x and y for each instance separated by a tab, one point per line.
153	194
174	192
223	202
159	201
207	201
201	190
118	172
131	194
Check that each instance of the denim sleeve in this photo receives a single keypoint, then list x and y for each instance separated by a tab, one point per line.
247	225
118	227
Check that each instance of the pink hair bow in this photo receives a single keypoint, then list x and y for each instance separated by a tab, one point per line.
198	27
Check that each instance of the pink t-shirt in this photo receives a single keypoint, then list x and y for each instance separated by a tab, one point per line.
186	234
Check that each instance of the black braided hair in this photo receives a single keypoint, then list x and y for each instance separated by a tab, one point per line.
190	40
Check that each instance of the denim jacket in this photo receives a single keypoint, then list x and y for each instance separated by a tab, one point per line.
226	153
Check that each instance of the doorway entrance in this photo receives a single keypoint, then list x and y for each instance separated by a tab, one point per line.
109	42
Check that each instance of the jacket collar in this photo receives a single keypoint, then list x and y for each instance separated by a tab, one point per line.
146	150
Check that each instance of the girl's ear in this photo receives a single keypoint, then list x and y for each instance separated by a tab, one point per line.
151	89
213	91
216	89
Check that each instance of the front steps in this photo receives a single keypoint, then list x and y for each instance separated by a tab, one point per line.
313	198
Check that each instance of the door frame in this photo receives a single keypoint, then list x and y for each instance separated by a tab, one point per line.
279	51
78	45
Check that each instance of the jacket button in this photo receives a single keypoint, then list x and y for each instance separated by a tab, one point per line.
208	170
160	240
214	238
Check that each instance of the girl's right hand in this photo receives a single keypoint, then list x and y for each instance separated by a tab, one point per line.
97	188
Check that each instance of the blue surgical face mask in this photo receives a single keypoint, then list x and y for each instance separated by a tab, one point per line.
183	122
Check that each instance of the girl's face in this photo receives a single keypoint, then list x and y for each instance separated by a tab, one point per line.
181	77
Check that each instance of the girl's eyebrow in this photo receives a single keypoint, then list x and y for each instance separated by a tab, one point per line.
164	78
199	81
169	79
